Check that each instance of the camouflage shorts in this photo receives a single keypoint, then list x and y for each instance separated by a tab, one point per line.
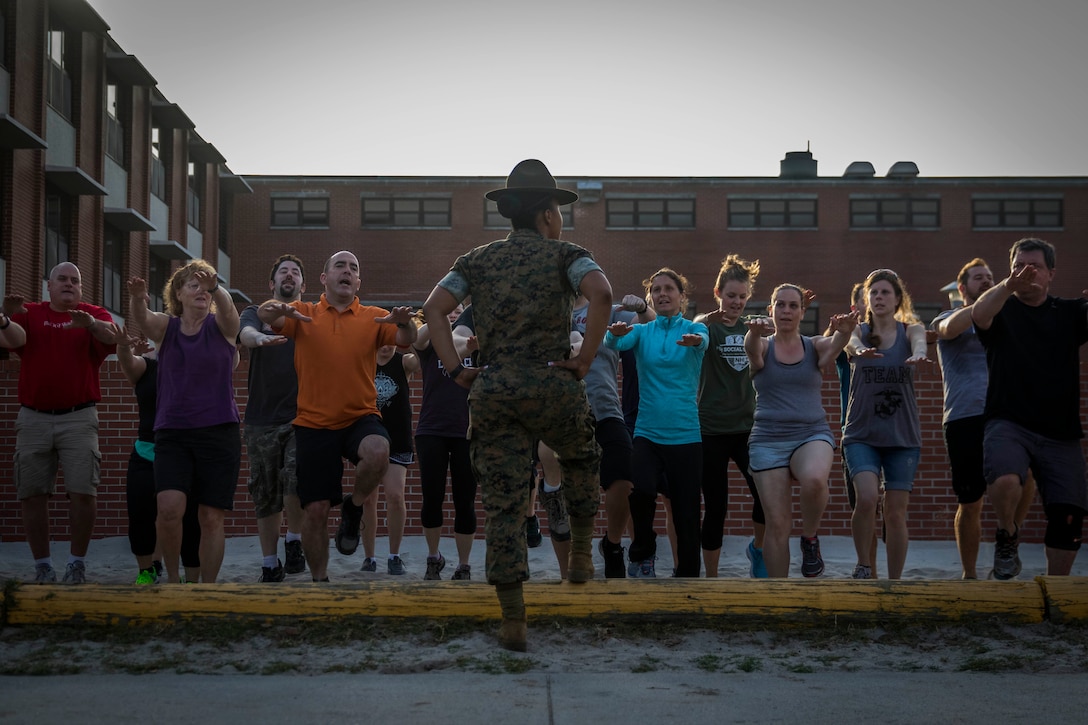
271	451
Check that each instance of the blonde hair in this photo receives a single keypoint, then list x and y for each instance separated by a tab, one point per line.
735	269
178	280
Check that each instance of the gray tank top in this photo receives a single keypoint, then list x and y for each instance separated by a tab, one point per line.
789	405
882	410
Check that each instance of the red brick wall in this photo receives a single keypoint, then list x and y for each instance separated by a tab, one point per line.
930	517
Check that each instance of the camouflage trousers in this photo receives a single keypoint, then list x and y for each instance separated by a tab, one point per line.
502	434
271	451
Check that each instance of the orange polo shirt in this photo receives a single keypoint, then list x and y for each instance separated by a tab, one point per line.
336	358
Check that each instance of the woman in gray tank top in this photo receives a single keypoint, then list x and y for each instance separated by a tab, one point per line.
882	435
791	438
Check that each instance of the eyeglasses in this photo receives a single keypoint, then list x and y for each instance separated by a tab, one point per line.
875	272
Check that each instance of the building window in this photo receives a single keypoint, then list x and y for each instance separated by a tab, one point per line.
651	213
193	193
158	272
113	259
772	213
158	169
115	133
300	212
58	221
1024	213
900	212
406	212
58	82
494	220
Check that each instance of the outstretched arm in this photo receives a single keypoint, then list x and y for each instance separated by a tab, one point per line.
152	324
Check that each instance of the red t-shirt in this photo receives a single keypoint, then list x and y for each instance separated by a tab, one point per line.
59	363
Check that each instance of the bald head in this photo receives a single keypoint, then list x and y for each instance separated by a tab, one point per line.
65	287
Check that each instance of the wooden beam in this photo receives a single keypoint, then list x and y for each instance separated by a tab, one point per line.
781	601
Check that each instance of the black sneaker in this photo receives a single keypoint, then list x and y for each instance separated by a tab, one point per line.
533	537
812	564
435	565
463	572
556	506
613	559
272	574
347	535
296	560
1006	555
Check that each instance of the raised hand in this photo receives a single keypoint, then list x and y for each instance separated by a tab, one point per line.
14	303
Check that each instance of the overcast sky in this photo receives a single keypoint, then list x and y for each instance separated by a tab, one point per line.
621	88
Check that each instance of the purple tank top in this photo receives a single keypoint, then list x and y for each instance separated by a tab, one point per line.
196	378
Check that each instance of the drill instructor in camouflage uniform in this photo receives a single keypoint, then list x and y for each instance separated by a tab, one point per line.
527	387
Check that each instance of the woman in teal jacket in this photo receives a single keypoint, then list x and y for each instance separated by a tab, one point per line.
668	442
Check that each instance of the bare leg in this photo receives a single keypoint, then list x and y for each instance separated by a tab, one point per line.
171	506
373	462
434	538
268	531
464	548
82	513
315	538
862	522
395	509
775	492
968	535
1027	498
36	525
370	523
212	542
895	520
293	513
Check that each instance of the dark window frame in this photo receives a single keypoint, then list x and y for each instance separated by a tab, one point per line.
895	212
58	229
763	216
58	93
406	211
281	217
1032	217
114	243
650	212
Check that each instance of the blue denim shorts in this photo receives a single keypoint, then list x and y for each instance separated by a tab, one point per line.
897	464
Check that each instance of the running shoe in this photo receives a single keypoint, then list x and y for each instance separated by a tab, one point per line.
463	573
147	577
395	566
272	573
812	564
435	565
44	574
1006	555
75	573
613	559
370	564
347	535
533	537
556	506
862	571
756	568
295	560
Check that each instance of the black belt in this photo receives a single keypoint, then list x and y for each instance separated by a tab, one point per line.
61	411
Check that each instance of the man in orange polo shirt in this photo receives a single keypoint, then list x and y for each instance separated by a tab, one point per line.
336	347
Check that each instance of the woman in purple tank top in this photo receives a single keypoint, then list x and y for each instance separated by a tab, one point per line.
198	448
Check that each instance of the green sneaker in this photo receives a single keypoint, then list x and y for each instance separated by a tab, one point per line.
147	577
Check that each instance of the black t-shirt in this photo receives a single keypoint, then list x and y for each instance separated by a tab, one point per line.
1033	357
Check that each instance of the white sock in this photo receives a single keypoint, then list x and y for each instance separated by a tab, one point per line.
47	560
72	558
393	555
292	536
548	488
270	562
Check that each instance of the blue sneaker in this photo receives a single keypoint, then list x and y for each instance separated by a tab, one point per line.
757	569
642	569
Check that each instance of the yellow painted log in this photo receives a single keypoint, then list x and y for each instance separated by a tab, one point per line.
1066	597
785	601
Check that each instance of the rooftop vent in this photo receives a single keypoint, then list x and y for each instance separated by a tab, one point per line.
798	165
903	170
859	170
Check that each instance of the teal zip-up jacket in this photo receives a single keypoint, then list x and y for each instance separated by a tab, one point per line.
668	378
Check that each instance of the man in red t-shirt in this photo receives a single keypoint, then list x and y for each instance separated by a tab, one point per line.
62	343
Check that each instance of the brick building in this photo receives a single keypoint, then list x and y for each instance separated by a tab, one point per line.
98	167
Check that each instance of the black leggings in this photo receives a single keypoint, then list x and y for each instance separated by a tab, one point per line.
143	510
437	454
681	468
717	452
